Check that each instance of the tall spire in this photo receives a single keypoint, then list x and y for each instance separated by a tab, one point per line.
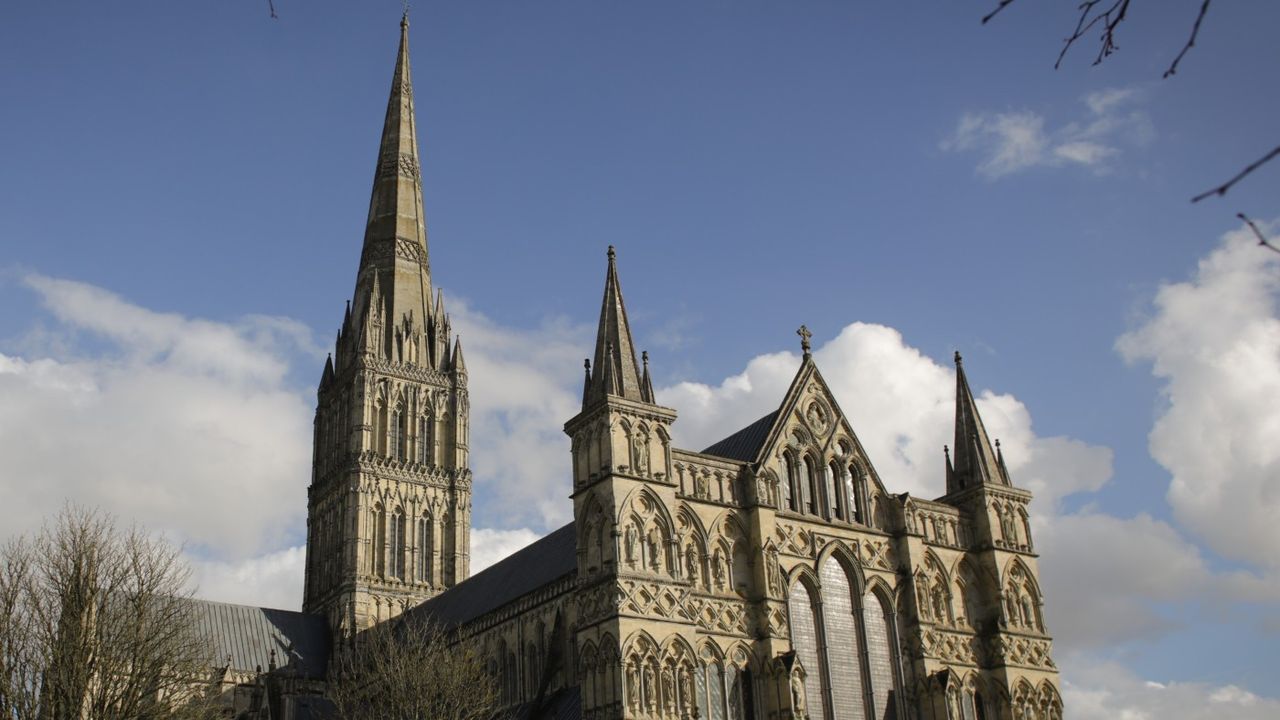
395	237
614	370
975	460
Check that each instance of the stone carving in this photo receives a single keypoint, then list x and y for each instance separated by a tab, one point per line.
630	544
797	695
640	449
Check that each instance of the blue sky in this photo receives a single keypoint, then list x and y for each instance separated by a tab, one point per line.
182	196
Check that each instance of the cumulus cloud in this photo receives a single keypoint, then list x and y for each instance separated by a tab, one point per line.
271	580
489	545
524	385
186	426
1107	691
1009	142
1214	342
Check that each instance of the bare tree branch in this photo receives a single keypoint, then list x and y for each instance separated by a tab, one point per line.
1003	4
1191	41
1224	187
1262	239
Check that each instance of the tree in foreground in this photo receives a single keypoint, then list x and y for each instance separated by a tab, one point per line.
96	622
407	669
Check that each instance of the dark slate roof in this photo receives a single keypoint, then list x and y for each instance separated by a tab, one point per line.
564	704
520	573
745	444
248	634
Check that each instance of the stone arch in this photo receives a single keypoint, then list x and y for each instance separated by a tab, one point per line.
933	590
595	542
1050	701
1021	597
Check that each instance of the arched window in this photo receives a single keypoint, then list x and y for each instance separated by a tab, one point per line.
835	490
791	488
802	608
379	540
856	494
809	481
844	648
424	549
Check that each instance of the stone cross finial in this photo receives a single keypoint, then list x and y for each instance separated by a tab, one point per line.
804	334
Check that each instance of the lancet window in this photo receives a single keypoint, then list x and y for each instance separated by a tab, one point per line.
379	540
397	544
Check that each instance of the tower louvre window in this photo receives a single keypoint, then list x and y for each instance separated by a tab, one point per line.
397	434
424	440
424	549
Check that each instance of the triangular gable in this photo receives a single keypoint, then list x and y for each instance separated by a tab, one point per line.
810	401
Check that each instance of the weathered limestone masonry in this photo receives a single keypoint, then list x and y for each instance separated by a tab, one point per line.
390	499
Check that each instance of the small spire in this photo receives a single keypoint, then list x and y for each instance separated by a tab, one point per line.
804	334
976	461
646	382
459	365
615	371
586	381
959	360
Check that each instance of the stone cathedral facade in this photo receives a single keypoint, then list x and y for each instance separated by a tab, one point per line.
770	576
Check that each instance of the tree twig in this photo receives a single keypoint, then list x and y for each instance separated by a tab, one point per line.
1191	41
1224	187
1262	239
1110	19
1003	4
272	7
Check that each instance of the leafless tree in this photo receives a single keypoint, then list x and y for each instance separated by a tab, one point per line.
1104	18
95	622
411	670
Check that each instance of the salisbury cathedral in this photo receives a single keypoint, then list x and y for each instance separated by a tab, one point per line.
770	576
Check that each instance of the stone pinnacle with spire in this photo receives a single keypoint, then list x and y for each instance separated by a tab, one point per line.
974	460
395	238
614	369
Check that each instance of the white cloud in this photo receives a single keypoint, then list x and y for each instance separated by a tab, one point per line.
489	545
1009	142
1109	691
1214	341
271	580
185	426
902	406
523	388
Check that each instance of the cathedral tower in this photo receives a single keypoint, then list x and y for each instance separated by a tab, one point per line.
389	507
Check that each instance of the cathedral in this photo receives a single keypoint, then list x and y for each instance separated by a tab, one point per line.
769	576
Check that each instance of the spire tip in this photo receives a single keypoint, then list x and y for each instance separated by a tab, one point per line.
958	359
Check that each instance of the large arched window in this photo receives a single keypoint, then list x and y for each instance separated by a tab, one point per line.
878	622
844	651
802	605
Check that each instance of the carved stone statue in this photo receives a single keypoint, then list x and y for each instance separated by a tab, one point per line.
691	563
717	569
775	574
797	695
655	549
633	687
700	486
631	544
640	453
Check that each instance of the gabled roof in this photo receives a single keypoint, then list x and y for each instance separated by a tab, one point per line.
248	634
520	573
744	445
